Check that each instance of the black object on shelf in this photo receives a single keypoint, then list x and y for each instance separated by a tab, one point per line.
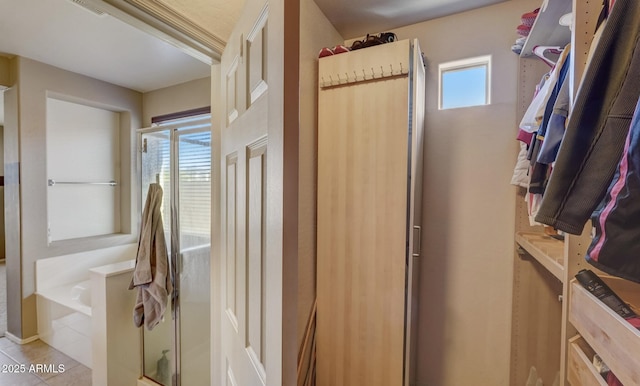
598	288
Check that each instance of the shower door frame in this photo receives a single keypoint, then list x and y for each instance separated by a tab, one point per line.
174	132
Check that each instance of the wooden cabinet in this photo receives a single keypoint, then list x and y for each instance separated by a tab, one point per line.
614	339
557	326
580	369
370	124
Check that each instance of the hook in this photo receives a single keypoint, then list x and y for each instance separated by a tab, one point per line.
401	68
346	77
381	71
355	76
391	66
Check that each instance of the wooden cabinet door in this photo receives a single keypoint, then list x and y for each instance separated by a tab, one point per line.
363	230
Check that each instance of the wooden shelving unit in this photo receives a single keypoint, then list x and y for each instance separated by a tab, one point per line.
557	326
545	249
581	370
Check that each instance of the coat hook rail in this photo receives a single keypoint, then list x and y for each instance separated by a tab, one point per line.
52	182
337	78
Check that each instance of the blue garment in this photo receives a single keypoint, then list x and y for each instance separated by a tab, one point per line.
556	127
540	170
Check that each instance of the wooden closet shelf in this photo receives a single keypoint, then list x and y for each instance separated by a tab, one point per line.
549	252
614	339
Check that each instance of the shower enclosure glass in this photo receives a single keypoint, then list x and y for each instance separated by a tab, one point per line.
177	155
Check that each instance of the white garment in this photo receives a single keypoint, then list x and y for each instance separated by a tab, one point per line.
529	123
533	201
521	171
533	116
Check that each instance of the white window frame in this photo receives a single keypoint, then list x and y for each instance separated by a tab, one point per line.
479	61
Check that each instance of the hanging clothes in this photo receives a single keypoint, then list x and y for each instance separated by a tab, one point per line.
521	170
534	115
556	126
530	122
528	172
615	248
151	275
539	170
598	125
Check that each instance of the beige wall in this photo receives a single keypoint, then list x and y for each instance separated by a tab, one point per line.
181	97
317	34
468	208
13	246
2	253
5	71
26	126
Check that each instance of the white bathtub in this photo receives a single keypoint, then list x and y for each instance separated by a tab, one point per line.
64	298
65	322
81	293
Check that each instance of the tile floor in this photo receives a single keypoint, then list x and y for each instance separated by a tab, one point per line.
50	366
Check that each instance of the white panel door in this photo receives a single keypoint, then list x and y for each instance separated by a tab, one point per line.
244	197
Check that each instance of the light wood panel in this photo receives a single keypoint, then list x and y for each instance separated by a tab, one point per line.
615	340
545	249
535	331
362	232
580	370
538	272
586	13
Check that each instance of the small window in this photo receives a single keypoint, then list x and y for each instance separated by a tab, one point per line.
464	83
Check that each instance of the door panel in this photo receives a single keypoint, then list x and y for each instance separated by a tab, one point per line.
231	214
255	255
244	282
362	237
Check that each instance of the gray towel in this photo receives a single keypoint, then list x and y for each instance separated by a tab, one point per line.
151	275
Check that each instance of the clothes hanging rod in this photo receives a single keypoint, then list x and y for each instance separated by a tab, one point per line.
51	182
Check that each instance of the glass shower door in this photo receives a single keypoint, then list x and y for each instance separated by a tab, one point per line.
177	351
194	224
158	345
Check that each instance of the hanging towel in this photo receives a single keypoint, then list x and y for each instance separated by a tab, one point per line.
151	275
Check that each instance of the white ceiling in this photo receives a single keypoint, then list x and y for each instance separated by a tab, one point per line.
66	35
355	18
